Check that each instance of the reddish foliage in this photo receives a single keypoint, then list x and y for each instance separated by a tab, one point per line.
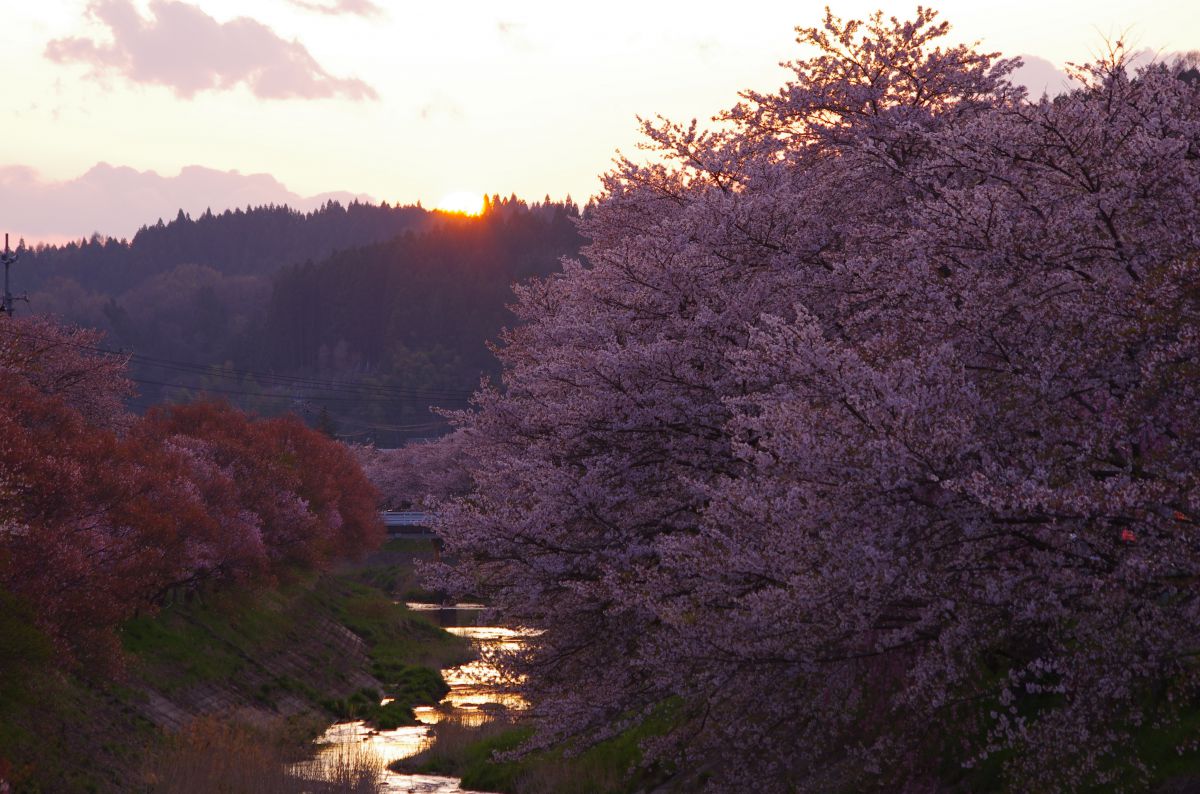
66	362
94	524
306	495
102	515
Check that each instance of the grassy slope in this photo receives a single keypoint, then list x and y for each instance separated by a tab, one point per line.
611	767
63	733
291	654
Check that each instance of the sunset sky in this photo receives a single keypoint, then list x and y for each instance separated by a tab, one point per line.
408	101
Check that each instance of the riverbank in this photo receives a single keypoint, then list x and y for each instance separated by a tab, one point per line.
467	749
483	716
277	664
230	688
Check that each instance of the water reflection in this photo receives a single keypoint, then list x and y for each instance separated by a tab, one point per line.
388	745
478	685
421	784
476	688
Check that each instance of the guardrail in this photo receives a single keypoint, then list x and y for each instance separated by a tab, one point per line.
408	523
406	518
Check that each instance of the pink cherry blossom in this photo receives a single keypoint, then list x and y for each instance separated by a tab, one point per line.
837	435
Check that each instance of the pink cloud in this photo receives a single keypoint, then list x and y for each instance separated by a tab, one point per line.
186	50
1040	76
116	200
362	8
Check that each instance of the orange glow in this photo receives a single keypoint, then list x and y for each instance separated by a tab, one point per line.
462	203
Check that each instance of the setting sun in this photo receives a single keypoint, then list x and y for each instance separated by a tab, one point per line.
462	202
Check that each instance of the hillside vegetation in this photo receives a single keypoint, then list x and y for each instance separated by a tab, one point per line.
356	318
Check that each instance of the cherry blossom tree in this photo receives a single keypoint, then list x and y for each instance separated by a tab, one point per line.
865	433
94	525
104	514
74	488
298	498
66	362
335	489
407	475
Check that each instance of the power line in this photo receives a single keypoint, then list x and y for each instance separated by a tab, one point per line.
213	370
296	398
207	369
381	394
344	389
144	404
359	392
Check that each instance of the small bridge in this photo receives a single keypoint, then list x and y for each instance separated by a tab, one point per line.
415	524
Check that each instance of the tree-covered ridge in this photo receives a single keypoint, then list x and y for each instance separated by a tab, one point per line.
407	319
441	292
256	241
194	289
413	317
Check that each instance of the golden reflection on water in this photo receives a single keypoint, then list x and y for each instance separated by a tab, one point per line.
476	688
388	745
476	685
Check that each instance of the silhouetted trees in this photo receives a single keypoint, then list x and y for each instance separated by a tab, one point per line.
420	308
396	298
254	241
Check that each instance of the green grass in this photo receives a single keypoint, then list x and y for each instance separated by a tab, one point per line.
415	546
610	767
392	569
1155	746
24	653
217	637
59	733
225	635
396	636
405	651
65	730
482	772
1158	745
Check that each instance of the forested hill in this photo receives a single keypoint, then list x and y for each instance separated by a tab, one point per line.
444	290
358	318
254	241
407	321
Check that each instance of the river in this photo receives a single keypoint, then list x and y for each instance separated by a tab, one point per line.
472	692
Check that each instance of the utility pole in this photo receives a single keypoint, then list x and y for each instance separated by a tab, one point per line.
8	257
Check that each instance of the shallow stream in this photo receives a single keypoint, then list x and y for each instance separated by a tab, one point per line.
472	691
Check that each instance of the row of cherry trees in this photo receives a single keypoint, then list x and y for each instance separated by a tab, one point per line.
867	431
104	514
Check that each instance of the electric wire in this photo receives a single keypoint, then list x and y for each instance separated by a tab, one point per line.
213	370
293	397
383	395
352	392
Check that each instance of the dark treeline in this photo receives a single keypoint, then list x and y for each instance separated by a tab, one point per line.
254	241
390	308
443	290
